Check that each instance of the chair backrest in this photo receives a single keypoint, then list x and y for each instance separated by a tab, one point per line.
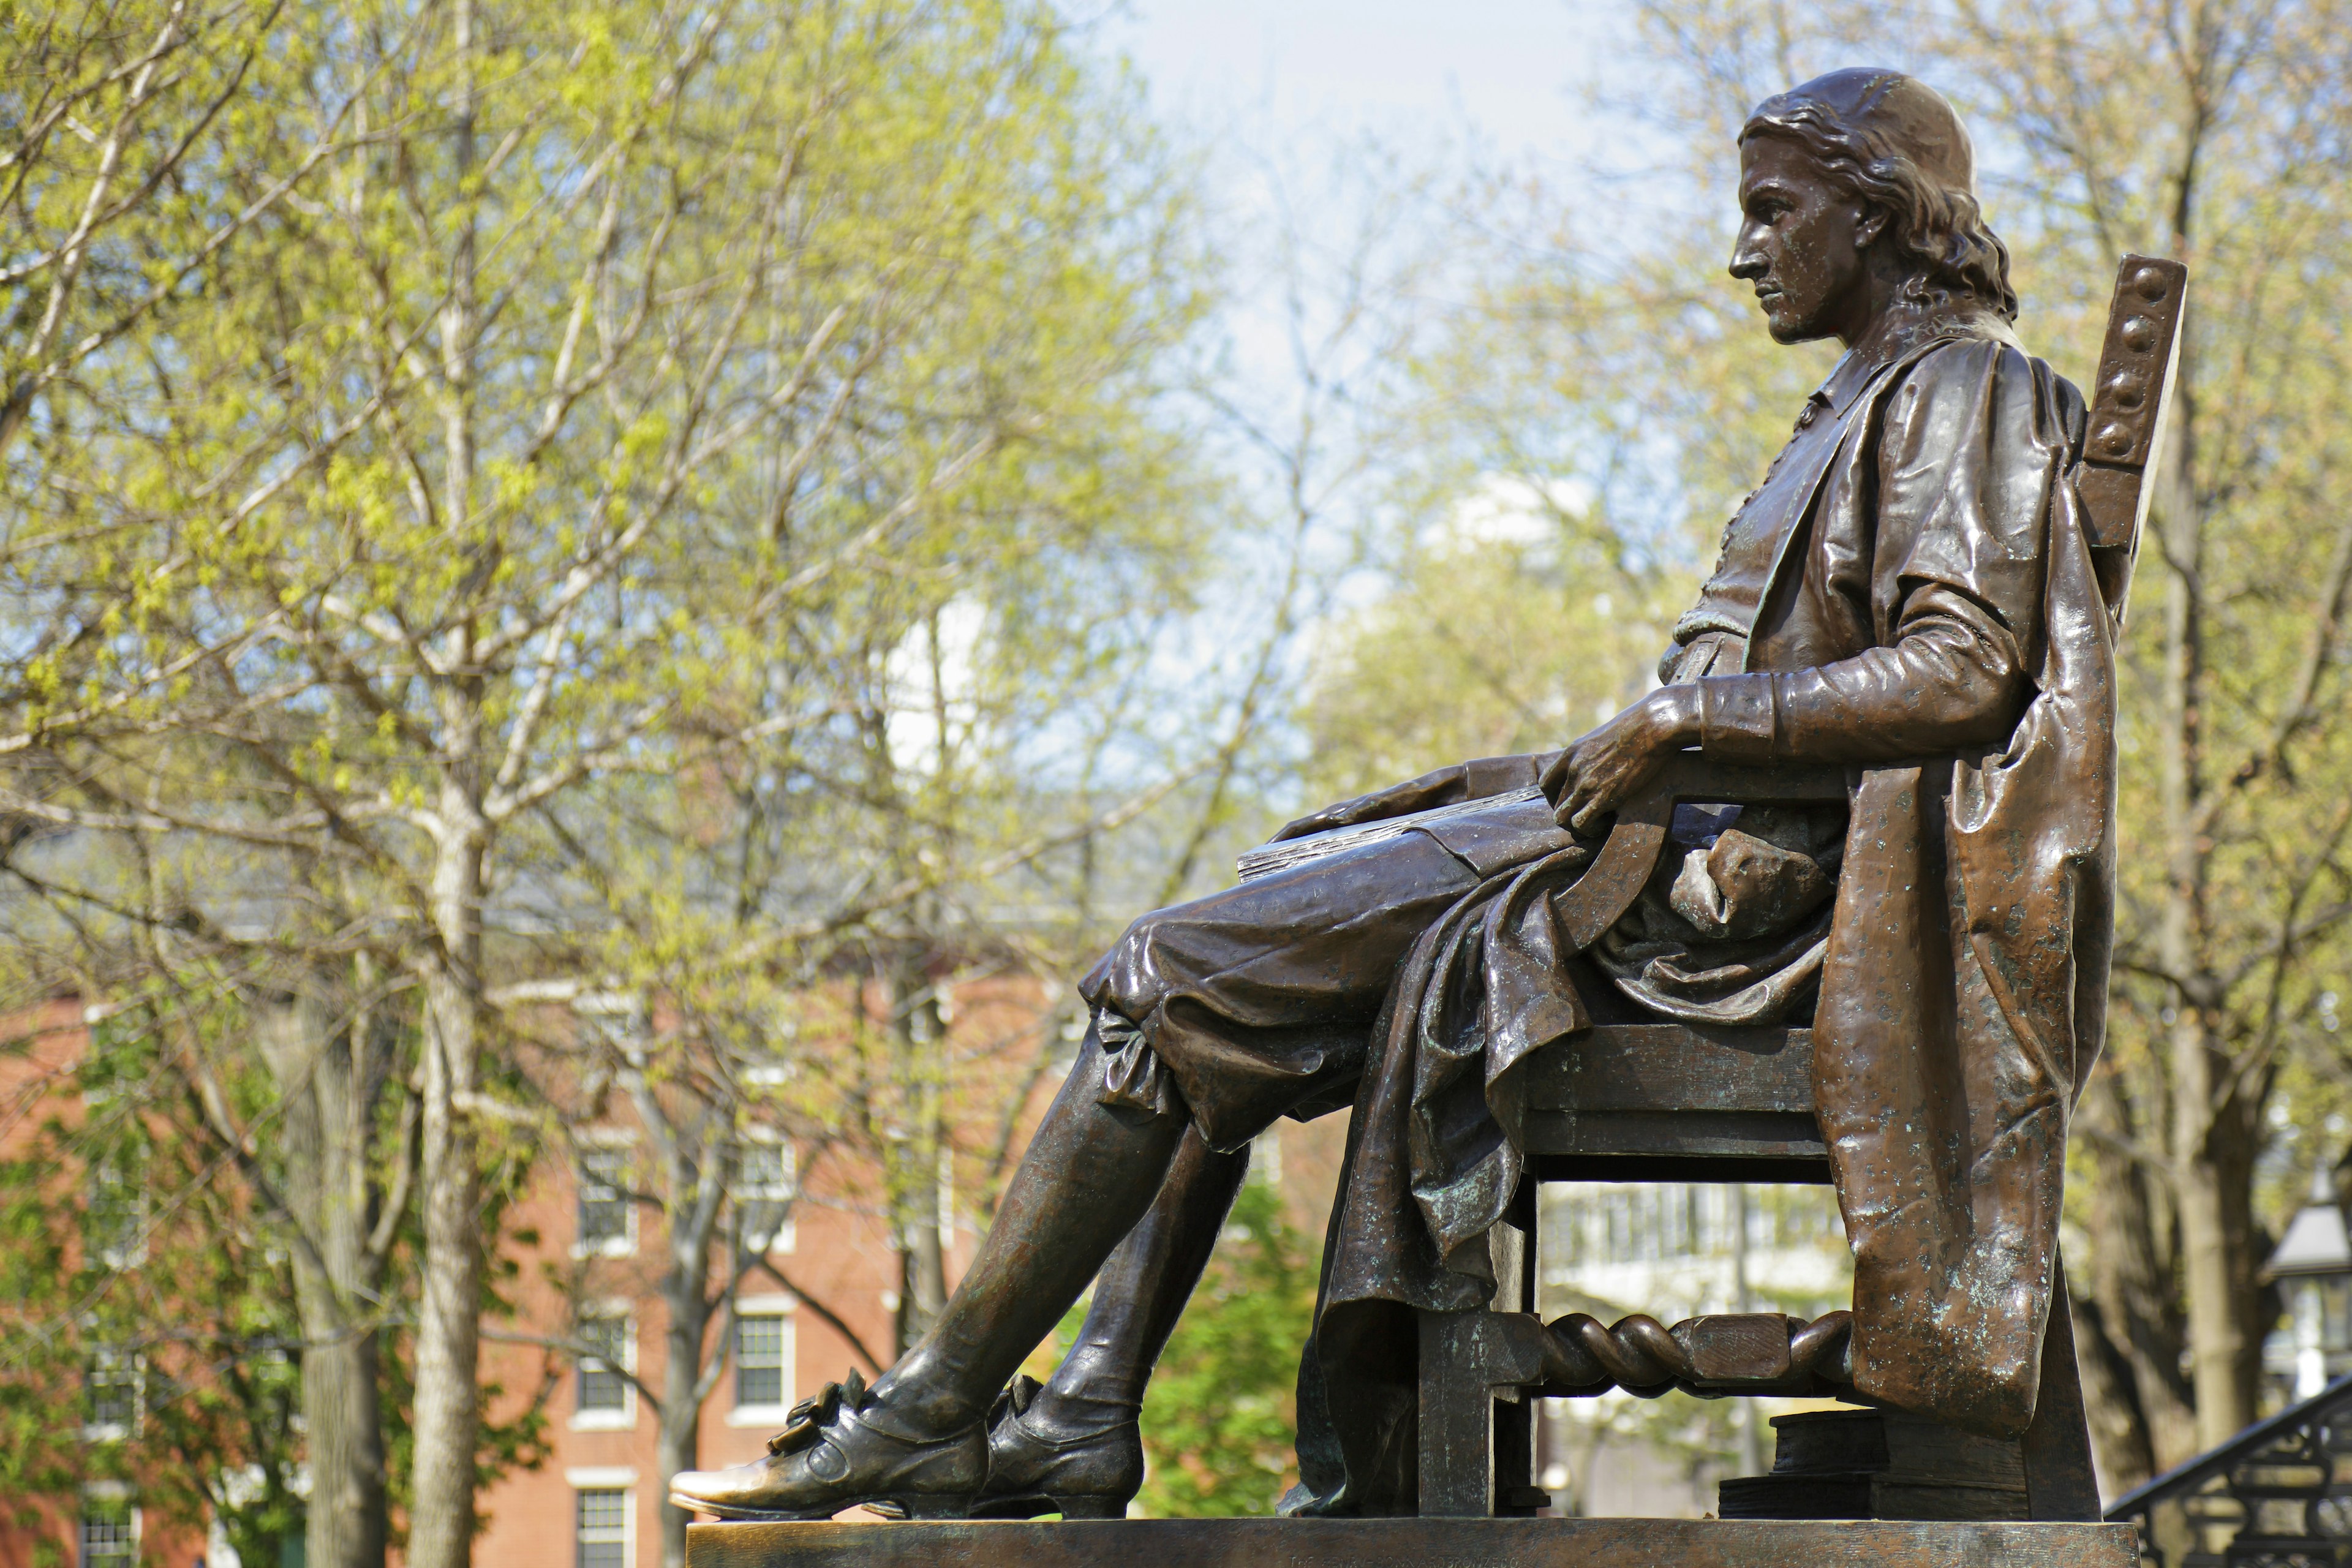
1659	1101
2129	400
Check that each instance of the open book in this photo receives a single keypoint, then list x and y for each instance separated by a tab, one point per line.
1268	858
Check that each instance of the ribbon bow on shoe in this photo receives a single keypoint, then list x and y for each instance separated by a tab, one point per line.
830	1456
1034	1468
813	1415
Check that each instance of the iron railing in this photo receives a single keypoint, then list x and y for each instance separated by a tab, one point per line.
2278	1495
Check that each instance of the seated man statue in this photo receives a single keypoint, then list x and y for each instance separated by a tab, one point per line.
1907	594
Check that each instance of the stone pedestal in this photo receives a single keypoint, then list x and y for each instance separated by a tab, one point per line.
1415	1543
1873	1464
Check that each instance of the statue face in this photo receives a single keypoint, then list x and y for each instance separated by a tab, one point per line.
1804	242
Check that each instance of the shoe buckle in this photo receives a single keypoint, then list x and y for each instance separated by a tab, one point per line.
814	1414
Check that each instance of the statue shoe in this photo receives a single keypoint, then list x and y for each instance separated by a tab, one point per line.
829	1457
1089	1476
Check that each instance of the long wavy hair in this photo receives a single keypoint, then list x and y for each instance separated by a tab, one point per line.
1937	227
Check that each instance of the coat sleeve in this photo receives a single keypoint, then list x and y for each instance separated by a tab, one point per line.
1966	457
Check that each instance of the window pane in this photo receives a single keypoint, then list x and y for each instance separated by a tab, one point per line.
760	1351
606	1335
604	1528
600	1385
762	1219
114	1224
602	1389
762	1165
106	1534
762	1385
604	1208
758	1339
763	1191
110	1387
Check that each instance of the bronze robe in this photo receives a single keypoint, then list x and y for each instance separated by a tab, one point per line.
1932	599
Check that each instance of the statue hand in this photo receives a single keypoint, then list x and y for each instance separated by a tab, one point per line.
1443	788
1607	767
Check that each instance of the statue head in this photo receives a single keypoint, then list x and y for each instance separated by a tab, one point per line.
1858	190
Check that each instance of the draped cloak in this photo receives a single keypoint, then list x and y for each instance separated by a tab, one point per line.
1930	620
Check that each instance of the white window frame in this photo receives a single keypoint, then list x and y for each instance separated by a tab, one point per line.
603	1141
618	1015
135	1365
605	1478
126	1247
625	1417
778	1305
783	1190
112	1492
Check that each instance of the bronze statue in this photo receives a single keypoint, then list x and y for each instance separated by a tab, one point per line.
1909	582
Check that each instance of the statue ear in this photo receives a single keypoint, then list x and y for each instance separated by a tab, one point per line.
1869	226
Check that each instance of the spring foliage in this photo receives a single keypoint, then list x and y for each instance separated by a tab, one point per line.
1219	1417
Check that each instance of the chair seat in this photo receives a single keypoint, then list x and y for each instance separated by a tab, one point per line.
1637	1102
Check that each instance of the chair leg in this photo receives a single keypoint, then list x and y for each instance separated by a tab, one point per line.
1511	1246
1476	1450
1516	1495
2060	1483
1457	1418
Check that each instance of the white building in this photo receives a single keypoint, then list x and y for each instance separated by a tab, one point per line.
2313	1266
1675	1250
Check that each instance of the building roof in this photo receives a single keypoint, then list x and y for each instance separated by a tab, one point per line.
2316	1240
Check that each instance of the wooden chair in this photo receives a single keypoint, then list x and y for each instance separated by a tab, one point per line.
1636	1099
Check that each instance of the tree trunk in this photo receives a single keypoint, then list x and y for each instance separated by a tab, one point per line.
922	1268
922	1255
2137	1308
448	1413
2214	1179
2119	1428
677	1442
448	1345
345	1525
327	1110
2211	1157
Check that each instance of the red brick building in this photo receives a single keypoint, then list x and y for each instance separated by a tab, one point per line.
101	1524
595	1503
586	1249
590	1271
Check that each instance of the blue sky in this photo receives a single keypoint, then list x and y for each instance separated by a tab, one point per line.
1270	90
1404	69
